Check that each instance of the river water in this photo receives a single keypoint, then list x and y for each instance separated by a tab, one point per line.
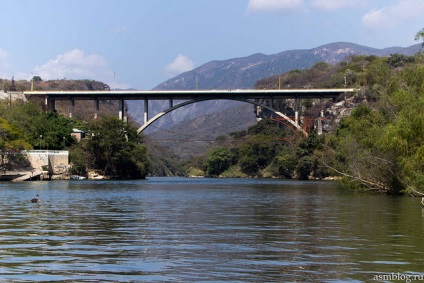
206	230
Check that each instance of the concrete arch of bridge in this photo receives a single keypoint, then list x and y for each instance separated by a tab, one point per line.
163	113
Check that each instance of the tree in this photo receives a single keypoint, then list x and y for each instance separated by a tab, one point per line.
36	79
399	60
285	163
379	146
219	160
56	130
249	165
116	149
420	36
12	140
11	137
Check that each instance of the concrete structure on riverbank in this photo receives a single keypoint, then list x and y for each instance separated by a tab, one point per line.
47	164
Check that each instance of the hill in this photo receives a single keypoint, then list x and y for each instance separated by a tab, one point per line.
242	72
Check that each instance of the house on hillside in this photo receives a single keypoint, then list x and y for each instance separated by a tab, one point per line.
78	134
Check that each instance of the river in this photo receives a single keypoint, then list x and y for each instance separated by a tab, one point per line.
207	230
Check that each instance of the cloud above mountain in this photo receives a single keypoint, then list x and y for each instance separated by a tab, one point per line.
335	4
74	64
373	14
179	65
273	5
390	16
283	6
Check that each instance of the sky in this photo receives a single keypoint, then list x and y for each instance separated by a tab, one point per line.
142	43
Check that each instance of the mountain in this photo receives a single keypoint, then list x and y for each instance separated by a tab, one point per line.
243	73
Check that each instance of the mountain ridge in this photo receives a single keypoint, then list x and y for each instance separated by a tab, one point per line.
244	72
256	66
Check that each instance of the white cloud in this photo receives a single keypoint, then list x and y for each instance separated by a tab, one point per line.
180	65
3	53
73	64
390	16
273	5
335	4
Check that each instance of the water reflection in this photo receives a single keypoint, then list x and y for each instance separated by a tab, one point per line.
184	230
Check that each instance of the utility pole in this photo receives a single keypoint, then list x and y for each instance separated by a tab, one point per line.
197	82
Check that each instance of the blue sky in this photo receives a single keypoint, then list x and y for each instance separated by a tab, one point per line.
141	43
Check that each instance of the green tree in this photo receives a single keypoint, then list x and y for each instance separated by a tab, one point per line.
56	130
420	36
11	137
399	60
377	72
304	167
249	165
379	146
257	153
116	149
36	79
219	160
285	163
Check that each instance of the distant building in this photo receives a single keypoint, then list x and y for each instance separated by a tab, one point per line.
78	134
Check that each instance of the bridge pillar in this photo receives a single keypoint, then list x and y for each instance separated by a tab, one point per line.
96	108
171	103
121	109
319	126
50	105
296	111
320	118
71	107
146	110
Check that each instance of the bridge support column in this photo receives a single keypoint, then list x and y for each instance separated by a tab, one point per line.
319	126
321	116
121	109
71	107
50	105
296	111
171	103
96	108
146	110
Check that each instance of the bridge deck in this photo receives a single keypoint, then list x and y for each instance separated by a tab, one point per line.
191	94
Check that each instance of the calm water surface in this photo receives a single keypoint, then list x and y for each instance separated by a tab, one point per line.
205	230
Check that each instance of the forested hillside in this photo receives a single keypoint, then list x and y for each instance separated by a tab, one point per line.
378	147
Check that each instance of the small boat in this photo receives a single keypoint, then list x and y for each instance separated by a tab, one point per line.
77	177
422	201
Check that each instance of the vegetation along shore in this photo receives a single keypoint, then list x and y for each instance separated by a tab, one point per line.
370	140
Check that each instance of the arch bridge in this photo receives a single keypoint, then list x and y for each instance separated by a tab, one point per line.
188	97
